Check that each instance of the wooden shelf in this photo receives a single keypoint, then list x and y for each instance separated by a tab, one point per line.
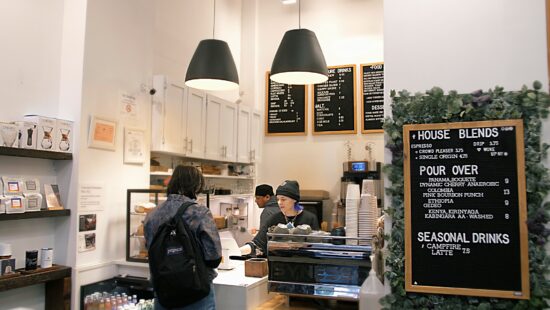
208	176
35	278
10	151
214	176
36	214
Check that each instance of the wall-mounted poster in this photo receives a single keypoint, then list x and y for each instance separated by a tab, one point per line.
134	146
286	108
86	242
87	222
334	102
465	209
372	94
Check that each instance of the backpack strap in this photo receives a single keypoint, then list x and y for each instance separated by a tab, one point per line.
184	207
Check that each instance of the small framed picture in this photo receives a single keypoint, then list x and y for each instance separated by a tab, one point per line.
102	133
134	146
87	222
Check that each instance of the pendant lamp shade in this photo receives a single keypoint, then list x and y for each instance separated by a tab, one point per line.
212	67
299	59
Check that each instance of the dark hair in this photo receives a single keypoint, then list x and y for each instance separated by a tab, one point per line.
187	181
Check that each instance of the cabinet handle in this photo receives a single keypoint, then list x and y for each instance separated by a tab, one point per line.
225	151
185	145
191	148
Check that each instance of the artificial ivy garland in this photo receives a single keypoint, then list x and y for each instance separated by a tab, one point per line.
435	106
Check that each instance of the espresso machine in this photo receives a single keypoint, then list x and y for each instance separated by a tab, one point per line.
354	172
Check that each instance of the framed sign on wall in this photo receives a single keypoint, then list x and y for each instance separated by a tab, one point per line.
286	109
372	95
334	102
465	209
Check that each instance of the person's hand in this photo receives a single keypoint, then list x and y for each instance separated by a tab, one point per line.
245	249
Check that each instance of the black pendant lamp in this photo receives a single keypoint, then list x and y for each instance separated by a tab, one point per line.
212	66
299	59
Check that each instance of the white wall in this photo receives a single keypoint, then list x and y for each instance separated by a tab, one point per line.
179	26
30	32
31	62
353	36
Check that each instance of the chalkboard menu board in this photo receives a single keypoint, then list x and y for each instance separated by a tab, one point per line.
372	93
465	209
334	102
286	112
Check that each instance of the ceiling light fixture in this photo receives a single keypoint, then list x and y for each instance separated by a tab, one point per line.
299	59
288	1
212	66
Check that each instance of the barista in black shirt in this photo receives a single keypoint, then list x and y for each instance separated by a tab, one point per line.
292	214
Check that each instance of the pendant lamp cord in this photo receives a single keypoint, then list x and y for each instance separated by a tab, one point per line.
214	23
299	14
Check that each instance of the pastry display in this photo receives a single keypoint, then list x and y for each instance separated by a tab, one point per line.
144	207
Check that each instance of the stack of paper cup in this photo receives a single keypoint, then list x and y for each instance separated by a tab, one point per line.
367	217
352	206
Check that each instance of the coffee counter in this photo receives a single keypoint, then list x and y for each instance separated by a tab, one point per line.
235	291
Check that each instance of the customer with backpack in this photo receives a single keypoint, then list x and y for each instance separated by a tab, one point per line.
184	245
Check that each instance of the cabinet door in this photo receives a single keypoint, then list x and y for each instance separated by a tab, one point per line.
243	135
168	124
256	135
196	123
213	144
228	131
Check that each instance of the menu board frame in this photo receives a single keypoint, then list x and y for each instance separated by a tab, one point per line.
522	213
294	133
334	132
363	130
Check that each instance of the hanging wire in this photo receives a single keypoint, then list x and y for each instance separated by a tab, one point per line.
299	14
214	23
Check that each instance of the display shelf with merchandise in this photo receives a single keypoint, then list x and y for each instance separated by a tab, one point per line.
10	151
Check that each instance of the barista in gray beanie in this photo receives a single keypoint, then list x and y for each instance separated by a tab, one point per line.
289	188
291	215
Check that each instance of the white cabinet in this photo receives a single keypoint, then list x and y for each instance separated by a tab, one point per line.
178	119
188	123
228	132
256	135
243	134
168	124
221	130
196	123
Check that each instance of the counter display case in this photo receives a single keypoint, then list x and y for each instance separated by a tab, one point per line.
321	266
139	202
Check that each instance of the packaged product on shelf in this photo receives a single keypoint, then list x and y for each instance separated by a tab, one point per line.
47	131
31	186
34	201
12	186
9	134
27	134
64	136
16	204
3	204
7	266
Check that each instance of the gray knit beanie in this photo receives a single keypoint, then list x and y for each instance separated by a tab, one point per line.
289	188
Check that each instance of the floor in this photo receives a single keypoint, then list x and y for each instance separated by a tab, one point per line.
280	302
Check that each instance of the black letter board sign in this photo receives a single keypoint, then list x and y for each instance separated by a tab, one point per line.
286	112
372	93
465	209
334	102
